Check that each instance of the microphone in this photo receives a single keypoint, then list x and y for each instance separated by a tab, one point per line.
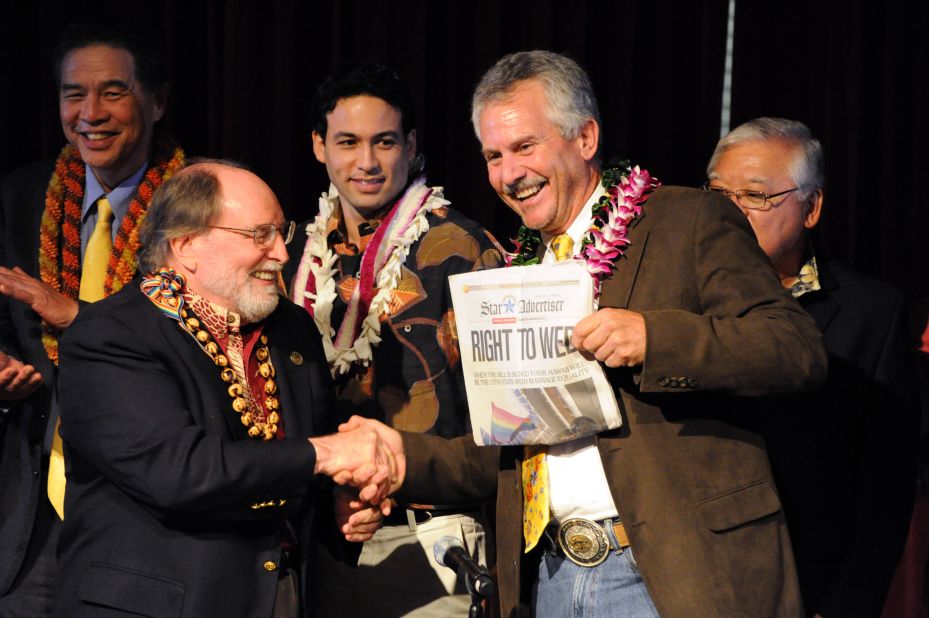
449	551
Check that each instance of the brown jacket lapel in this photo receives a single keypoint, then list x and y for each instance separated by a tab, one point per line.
616	290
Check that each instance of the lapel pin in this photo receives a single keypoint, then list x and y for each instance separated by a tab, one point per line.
296	358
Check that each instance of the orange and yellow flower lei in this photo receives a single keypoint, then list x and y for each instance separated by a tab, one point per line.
60	230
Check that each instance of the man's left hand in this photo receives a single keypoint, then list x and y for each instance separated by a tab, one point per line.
17	379
55	308
616	337
357	520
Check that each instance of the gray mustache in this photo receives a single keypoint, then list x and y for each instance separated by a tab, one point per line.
522	184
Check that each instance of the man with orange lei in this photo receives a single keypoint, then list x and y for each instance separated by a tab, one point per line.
68	235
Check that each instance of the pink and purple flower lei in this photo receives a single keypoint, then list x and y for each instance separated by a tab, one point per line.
627	188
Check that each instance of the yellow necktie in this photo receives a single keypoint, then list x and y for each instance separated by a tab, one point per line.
93	274
563	247
56	474
97	254
535	467
535	495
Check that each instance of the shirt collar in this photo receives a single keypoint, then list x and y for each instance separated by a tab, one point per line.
216	319
581	224
337	233
118	198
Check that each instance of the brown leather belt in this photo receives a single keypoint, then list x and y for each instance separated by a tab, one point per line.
586	543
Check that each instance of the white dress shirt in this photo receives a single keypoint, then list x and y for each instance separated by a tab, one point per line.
576	479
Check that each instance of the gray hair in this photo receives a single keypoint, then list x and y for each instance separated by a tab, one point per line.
807	169
185	204
568	91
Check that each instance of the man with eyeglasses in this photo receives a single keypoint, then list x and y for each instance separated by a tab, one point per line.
68	237
193	402
265	234
843	456
674	513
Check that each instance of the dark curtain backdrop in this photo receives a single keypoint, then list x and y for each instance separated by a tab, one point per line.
856	72
241	74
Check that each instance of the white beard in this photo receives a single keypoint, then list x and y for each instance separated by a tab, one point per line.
253	303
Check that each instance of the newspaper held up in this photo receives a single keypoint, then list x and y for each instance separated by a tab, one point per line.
526	383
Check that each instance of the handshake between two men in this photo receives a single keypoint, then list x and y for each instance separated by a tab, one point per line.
366	457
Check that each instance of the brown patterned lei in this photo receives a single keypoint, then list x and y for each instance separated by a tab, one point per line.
60	230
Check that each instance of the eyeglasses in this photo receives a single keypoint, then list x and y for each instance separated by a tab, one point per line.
264	234
753	200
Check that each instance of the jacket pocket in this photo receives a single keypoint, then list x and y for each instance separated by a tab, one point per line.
126	589
738	507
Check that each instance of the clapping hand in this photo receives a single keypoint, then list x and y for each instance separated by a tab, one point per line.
55	308
17	379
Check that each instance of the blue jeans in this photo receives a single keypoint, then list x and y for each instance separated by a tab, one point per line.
609	590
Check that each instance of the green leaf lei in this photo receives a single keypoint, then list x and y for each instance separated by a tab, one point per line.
527	240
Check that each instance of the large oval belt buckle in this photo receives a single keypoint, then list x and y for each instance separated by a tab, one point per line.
584	542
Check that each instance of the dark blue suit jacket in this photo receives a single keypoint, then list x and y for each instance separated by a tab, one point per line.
162	475
23	427
844	456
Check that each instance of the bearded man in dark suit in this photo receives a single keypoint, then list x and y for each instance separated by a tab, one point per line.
191	402
112	94
691	325
843	456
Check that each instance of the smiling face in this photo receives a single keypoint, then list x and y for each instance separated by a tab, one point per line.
229	269
538	173
781	230
105	112
366	153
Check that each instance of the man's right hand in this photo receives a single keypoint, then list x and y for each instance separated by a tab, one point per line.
390	437
55	308
360	458
17	379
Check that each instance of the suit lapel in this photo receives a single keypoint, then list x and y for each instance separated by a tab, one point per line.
28	257
823	311
295	391
206	373
616	290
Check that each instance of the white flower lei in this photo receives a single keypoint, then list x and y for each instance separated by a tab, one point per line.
320	260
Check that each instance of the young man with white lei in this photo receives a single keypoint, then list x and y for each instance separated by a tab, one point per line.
372	269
